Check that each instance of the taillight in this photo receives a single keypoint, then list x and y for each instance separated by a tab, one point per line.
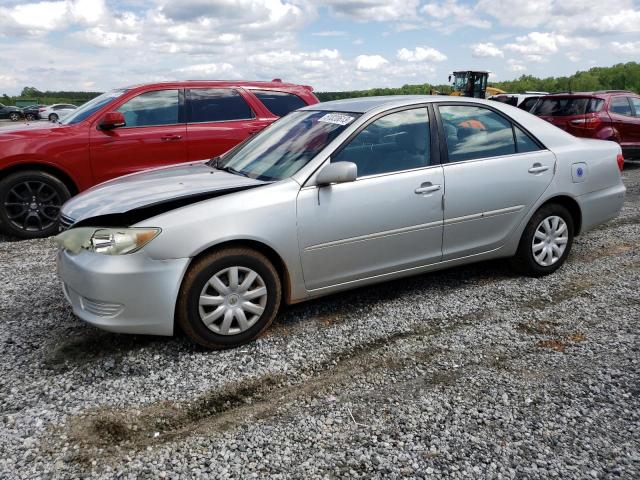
42	109
590	120
620	160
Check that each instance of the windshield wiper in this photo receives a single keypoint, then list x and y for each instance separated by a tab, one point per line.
234	171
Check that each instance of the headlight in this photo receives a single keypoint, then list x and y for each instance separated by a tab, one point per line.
107	241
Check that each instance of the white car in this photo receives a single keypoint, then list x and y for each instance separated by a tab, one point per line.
55	112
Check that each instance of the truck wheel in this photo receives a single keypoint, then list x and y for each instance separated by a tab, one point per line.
30	203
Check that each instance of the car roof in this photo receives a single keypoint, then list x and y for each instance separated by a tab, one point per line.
596	94
275	84
365	104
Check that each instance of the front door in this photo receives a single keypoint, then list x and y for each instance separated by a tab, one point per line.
389	219
154	136
495	173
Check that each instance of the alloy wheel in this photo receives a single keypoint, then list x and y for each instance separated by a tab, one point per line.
232	300
32	205
550	240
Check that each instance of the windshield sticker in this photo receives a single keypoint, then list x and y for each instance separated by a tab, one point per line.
337	119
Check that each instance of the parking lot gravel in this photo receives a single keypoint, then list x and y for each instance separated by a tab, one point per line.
473	372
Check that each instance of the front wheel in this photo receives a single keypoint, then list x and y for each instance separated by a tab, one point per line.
228	298
30	203
546	241
53	117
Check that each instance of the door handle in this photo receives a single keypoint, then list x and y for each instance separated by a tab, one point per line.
426	187
538	168
170	138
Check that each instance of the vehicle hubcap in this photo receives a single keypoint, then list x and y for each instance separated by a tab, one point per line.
32	205
550	241
232	301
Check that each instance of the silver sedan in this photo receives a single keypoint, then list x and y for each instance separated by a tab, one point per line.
331	197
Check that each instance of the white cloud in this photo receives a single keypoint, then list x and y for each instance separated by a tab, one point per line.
370	62
585	16
515	66
421	54
372	10
455	14
539	46
484	50
630	48
330	33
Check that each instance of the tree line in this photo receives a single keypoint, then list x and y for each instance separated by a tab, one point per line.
623	76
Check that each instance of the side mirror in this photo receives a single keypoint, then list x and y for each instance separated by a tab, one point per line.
339	172
112	120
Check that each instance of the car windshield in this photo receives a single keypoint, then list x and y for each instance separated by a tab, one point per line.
566	106
287	145
92	106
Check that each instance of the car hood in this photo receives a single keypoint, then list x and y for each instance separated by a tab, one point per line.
154	191
29	129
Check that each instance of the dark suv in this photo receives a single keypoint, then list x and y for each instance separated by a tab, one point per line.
605	115
12	113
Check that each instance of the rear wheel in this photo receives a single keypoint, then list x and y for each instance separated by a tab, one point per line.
30	203
30	117
53	117
546	241
228	298
14	116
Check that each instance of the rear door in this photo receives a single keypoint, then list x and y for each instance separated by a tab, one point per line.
494	173
622	113
218	119
154	136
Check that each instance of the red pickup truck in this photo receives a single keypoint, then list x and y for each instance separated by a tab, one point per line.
124	131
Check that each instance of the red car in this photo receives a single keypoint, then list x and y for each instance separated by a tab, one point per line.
126	130
606	115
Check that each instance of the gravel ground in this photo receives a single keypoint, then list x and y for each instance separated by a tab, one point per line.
468	373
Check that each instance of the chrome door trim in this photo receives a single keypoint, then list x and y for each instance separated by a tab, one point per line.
372	236
490	213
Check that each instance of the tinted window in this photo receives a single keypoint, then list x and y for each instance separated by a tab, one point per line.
279	103
475	132
566	106
399	141
636	105
528	103
152	108
524	143
621	106
217	105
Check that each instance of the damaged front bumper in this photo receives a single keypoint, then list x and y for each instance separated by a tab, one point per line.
127	294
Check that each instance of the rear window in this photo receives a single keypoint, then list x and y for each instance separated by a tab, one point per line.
279	103
217	105
567	106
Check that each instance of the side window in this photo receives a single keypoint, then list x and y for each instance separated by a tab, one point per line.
395	142
636	105
159	107
279	103
621	106
475	132
217	105
524	143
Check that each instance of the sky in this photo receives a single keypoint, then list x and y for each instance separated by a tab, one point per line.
97	45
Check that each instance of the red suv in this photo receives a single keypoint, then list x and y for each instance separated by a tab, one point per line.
606	115
126	130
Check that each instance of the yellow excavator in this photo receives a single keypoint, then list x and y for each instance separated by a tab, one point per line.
472	83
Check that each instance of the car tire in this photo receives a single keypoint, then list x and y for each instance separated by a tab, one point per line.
233	312
545	242
53	117
14	116
30	203
30	117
